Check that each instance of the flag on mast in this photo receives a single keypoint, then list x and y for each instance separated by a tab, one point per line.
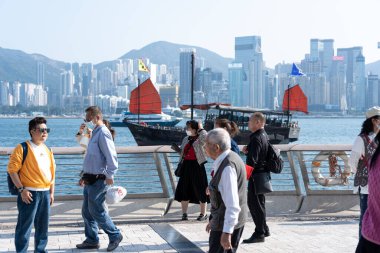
142	66
296	71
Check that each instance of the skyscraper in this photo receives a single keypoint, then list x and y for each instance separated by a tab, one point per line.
354	63
323	51
41	74
185	75
235	78
248	53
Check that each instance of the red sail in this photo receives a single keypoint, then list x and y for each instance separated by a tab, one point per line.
297	99
146	97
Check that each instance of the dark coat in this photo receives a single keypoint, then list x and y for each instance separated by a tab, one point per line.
257	150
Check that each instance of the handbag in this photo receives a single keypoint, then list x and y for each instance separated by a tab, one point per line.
262	183
179	171
248	171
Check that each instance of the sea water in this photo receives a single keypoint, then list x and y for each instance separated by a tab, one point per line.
63	131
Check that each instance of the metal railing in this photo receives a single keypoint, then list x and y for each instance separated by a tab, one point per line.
148	172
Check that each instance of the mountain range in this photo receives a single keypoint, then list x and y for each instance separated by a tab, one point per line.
16	65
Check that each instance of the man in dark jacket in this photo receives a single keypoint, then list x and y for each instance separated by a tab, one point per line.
256	153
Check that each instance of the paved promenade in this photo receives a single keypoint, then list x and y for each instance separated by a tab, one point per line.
145	230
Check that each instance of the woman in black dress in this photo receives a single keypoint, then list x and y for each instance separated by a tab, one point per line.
193	182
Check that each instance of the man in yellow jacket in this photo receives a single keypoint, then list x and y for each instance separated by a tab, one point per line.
34	179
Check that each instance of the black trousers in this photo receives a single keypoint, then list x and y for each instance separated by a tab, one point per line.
214	241
366	246
256	205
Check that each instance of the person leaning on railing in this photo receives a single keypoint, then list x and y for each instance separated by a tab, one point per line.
34	179
369	242
362	151
192	184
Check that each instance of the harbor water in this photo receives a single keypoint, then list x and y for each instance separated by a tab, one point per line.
143	178
341	130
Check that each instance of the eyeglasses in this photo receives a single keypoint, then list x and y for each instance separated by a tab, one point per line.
42	130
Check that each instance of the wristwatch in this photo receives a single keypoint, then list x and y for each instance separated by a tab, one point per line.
21	189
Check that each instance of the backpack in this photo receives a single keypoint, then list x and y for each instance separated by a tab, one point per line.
11	186
274	160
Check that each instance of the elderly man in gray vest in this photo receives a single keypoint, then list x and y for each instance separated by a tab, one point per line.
228	193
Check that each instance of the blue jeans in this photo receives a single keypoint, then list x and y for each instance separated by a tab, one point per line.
38	213
94	213
363	208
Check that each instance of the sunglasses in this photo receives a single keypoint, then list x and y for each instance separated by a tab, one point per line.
42	130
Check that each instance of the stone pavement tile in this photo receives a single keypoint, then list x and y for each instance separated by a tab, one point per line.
288	236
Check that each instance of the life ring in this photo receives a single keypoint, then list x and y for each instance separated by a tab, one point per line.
334	179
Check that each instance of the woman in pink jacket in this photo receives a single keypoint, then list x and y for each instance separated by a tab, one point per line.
370	239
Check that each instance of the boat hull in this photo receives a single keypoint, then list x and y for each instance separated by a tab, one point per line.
156	135
153	135
170	123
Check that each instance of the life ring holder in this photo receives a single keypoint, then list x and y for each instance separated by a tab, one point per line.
334	179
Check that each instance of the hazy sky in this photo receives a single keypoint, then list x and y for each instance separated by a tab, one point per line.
99	30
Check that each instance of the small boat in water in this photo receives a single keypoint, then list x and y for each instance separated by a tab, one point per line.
279	128
144	109
279	125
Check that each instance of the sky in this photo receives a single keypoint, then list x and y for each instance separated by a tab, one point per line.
100	30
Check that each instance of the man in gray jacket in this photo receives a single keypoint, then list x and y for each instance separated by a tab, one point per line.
228	194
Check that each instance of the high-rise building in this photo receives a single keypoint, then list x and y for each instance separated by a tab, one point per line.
16	92
41	73
235	78
4	93
373	91
67	85
185	74
323	51
248	53
354	63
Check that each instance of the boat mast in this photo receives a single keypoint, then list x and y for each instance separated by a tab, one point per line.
288	103
192	84
138	100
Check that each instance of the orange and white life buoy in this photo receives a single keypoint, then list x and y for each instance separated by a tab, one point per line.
334	178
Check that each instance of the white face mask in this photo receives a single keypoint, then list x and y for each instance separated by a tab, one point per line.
189	133
90	125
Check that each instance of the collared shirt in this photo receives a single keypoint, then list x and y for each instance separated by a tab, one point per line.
101	157
228	189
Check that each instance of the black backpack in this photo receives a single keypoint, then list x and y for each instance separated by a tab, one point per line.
11	186
274	160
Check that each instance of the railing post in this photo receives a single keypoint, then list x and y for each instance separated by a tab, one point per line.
169	168
164	184
303	168
294	173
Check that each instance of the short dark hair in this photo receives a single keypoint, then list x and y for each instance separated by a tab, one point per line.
33	123
94	111
193	124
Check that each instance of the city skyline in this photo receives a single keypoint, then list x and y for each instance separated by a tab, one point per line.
96	31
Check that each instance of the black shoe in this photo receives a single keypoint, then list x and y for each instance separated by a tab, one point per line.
86	245
202	217
184	216
113	245
267	233
255	239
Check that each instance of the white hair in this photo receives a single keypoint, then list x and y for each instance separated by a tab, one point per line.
221	137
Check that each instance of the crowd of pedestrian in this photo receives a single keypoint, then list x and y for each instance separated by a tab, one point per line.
227	191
